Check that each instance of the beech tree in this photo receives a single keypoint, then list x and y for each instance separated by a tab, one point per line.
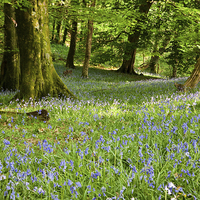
133	38
72	48
10	70
27	56
88	46
192	81
157	52
38	77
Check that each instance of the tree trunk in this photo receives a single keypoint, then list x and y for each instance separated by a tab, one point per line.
174	72
88	50
82	35
152	65
58	32
38	75
130	52
53	31
72	48
10	69
193	80
65	35
154	59
129	55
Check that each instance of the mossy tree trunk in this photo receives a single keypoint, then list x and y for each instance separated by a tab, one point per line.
38	75
10	70
72	48
58	32
130	52
156	55
193	80
154	60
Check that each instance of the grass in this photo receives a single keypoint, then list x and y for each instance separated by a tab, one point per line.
126	138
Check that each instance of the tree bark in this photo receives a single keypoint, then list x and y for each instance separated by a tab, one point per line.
154	59
129	56
174	72
58	32
38	76
130	52
65	35
72	48
53	31
10	69
193	80
88	50
152	65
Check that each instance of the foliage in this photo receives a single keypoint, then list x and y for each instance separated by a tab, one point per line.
59	52
115	20
180	59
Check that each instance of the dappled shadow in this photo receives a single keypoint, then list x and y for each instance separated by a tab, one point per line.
105	74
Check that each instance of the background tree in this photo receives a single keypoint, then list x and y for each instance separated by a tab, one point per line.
10	69
88	46
192	81
65	34
133	39
53	31
144	22
57	11
72	48
58	36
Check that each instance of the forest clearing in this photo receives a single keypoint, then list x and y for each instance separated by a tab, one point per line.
99	99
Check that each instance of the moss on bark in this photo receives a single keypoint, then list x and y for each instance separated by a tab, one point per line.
10	70
192	81
38	75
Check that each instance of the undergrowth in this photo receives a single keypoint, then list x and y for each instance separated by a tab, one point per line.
123	139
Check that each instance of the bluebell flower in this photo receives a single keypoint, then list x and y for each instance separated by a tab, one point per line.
69	182
96	174
2	177
86	151
170	187
103	189
6	142
54	197
51	176
78	184
89	187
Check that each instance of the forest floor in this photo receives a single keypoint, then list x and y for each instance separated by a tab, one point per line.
124	138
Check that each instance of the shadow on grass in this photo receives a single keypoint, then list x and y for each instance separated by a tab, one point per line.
99	73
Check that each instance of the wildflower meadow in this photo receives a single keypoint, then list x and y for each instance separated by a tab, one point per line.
122	139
